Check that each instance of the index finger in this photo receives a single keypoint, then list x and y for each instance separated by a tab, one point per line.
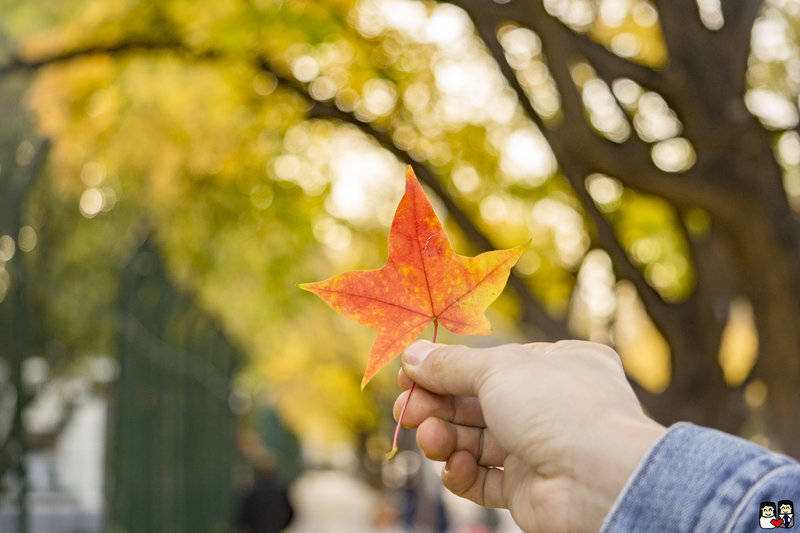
463	410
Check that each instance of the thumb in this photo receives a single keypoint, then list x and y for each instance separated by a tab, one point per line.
445	369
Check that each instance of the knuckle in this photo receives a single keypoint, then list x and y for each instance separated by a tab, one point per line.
567	344
595	347
607	351
538	346
603	350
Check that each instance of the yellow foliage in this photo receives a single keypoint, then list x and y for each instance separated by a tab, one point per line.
738	348
644	352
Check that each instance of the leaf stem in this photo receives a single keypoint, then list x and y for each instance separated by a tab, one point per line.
393	452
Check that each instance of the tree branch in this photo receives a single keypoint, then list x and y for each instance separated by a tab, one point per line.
533	15
18	62
573	164
574	138
713	87
598	154
739	17
532	310
664	314
678	17
612	66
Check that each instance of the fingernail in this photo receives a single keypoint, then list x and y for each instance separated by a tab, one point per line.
417	352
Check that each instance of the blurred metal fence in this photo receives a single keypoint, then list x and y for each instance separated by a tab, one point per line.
171	430
171	439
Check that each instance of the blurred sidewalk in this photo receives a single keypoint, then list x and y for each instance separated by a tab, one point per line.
330	501
65	484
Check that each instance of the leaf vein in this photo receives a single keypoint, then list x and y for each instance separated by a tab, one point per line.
475	286
373	298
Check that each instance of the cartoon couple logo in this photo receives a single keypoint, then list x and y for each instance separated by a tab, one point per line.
772	516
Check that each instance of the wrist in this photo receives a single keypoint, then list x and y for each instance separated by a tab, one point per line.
611	455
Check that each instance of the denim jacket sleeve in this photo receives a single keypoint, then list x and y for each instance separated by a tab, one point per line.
699	479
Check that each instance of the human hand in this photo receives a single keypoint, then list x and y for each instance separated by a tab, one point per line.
549	431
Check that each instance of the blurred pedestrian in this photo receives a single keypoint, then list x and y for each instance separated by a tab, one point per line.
265	506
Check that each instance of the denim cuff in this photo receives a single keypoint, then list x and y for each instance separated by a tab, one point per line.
695	478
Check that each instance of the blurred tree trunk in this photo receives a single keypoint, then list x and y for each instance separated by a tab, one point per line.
753	249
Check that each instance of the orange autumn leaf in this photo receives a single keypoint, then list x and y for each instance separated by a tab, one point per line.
423	280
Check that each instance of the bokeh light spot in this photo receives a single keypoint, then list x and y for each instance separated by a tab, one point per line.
91	202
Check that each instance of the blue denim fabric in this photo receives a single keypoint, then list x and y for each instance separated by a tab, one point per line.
699	479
